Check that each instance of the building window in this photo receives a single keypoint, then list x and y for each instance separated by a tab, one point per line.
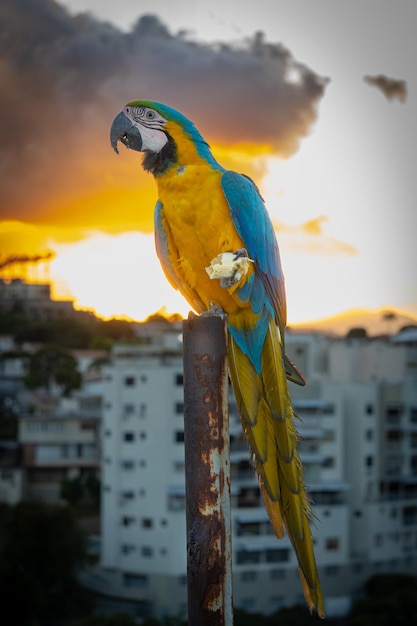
277	555
135	581
179	408
276	603
179	436
248	576
393	414
129	381
393	465
369	435
179	379
369	409
332	570
328	462
248	556
277	574
249	497
248	604
142	435
410	515
129	436
332	543
179	466
369	461
142	410
176	502
248	528
127	548
147	522
129	409
143	378
394	437
128	494
147	551
128	520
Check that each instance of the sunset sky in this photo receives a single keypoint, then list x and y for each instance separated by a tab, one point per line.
283	90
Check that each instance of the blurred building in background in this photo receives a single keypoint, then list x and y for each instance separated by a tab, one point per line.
358	422
33	300
358	428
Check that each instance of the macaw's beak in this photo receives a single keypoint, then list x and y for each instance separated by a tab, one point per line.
123	130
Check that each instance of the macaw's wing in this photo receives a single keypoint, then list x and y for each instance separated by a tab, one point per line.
169	258
254	226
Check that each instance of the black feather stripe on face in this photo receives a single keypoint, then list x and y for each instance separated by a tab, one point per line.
158	162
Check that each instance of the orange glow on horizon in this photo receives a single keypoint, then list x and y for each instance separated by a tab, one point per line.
105	259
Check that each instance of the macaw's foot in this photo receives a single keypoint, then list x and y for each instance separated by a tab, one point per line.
214	310
229	267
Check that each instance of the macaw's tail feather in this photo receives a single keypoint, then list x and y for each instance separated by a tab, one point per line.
268	422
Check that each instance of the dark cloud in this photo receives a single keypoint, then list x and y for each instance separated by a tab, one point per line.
390	87
64	77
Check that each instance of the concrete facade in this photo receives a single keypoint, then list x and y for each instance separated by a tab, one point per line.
358	422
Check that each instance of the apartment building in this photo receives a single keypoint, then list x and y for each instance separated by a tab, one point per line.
59	445
358	423
33	300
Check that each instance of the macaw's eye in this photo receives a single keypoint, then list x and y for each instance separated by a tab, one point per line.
150	114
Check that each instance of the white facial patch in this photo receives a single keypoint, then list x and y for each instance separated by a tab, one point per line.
152	138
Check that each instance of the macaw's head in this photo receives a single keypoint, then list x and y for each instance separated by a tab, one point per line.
165	136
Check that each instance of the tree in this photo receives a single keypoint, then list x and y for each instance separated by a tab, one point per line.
357	333
85	487
117	619
72	490
41	549
390	600
53	364
390	318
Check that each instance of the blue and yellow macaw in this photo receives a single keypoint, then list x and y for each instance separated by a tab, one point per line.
217	246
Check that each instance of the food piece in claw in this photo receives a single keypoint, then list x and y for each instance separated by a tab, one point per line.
229	267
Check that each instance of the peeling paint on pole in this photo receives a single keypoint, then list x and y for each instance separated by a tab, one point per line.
207	472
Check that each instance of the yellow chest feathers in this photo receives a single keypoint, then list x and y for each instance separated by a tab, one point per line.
197	213
199	227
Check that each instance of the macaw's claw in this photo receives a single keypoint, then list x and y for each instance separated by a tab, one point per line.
229	267
214	310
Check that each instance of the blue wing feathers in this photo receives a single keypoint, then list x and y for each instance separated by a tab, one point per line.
161	244
265	291
254	226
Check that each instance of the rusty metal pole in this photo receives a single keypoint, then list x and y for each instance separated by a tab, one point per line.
207	472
